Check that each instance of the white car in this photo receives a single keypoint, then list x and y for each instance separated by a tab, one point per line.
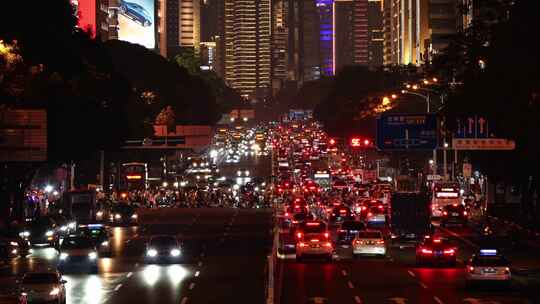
78	252
488	266
47	287
369	242
313	241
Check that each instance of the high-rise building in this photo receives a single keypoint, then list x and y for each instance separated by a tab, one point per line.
375	33
351	33
178	26
388	31
247	36
325	9
280	44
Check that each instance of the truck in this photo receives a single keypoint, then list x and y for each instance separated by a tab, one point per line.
80	205
410	217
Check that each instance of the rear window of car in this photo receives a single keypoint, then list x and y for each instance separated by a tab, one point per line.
369	235
77	243
352	225
496	261
40	278
163	241
320	228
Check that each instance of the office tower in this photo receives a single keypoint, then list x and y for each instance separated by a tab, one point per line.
388	55
247	36
178	23
325	9
280	44
375	33
351	41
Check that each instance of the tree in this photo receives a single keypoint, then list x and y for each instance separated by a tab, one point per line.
189	60
166	117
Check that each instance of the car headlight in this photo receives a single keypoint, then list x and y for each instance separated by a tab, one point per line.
72	225
175	252
134	216
238	173
246	173
63	228
105	244
12	243
117	216
49	233
151	252
92	255
63	256
24	234
99	213
55	291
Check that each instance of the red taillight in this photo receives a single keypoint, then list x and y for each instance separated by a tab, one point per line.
369	214
465	213
380	242
287	214
295	222
302	244
326	235
449	251
445	213
471	269
364	208
342	230
328	244
357	242
380	206
426	251
299	235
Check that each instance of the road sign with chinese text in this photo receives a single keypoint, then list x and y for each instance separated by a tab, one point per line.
407	132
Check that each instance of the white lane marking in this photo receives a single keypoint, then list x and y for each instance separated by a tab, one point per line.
438	300
344	272
411	273
350	284
357	300
459	237
118	287
184	300
197	273
199	264
129	274
423	285
191	286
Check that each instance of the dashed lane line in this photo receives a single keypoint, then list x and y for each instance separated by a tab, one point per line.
197	273
191	286
129	274
184	300
118	287
411	273
470	243
439	301
350	284
357	300
423	285
344	272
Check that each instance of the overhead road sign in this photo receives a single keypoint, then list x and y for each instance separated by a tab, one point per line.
407	132
483	144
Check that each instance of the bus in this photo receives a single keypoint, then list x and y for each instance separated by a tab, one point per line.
444	193
133	176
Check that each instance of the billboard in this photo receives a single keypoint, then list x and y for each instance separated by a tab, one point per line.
136	22
85	10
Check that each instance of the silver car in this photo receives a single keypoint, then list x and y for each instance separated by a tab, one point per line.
369	242
47	286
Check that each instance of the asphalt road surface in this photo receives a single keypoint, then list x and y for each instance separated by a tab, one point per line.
224	261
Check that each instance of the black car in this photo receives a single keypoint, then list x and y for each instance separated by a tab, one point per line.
340	213
435	250
123	214
163	248
99	234
42	231
65	226
348	230
454	215
13	245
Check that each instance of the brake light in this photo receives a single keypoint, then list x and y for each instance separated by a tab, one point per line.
369	214
314	240
471	269
326	234
426	251
295	222
436	240
328	244
357	242
449	251
380	206
299	235
445	213
287	214
364	208
313	224
465	213
301	244
380	242
342	230
506	270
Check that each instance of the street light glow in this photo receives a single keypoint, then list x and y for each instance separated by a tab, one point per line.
394	96
415	87
48	188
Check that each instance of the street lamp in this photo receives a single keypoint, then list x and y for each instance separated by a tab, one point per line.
165	184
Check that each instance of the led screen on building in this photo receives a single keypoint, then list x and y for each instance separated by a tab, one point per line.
136	22
85	10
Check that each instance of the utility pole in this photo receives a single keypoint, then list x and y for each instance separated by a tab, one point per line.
102	169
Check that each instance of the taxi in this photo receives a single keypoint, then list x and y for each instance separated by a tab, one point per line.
488	265
313	240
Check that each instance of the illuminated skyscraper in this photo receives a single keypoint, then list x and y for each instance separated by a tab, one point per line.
247	37
325	9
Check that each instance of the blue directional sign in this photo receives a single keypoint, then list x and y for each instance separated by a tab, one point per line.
407	132
473	127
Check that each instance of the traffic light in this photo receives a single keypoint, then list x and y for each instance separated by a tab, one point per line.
357	142
332	141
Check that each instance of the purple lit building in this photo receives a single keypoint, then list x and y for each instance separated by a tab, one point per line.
326	36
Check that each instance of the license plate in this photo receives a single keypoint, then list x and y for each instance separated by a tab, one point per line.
314	246
489	270
438	253
455	214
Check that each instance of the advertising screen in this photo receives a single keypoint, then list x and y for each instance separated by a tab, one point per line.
85	10
136	22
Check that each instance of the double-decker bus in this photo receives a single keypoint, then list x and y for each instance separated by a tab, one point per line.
444	193
133	176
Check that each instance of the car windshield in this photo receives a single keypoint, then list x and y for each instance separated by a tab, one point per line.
352	225
369	235
93	233
77	243
164	241
40	278
490	261
376	224
122	209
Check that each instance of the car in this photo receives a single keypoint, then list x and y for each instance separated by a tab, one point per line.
487	265
12	245
313	240
454	215
13	298
242	173
99	235
78	251
42	231
65	226
369	242
163	248
435	250
135	12
43	287
123	214
340	213
348	230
